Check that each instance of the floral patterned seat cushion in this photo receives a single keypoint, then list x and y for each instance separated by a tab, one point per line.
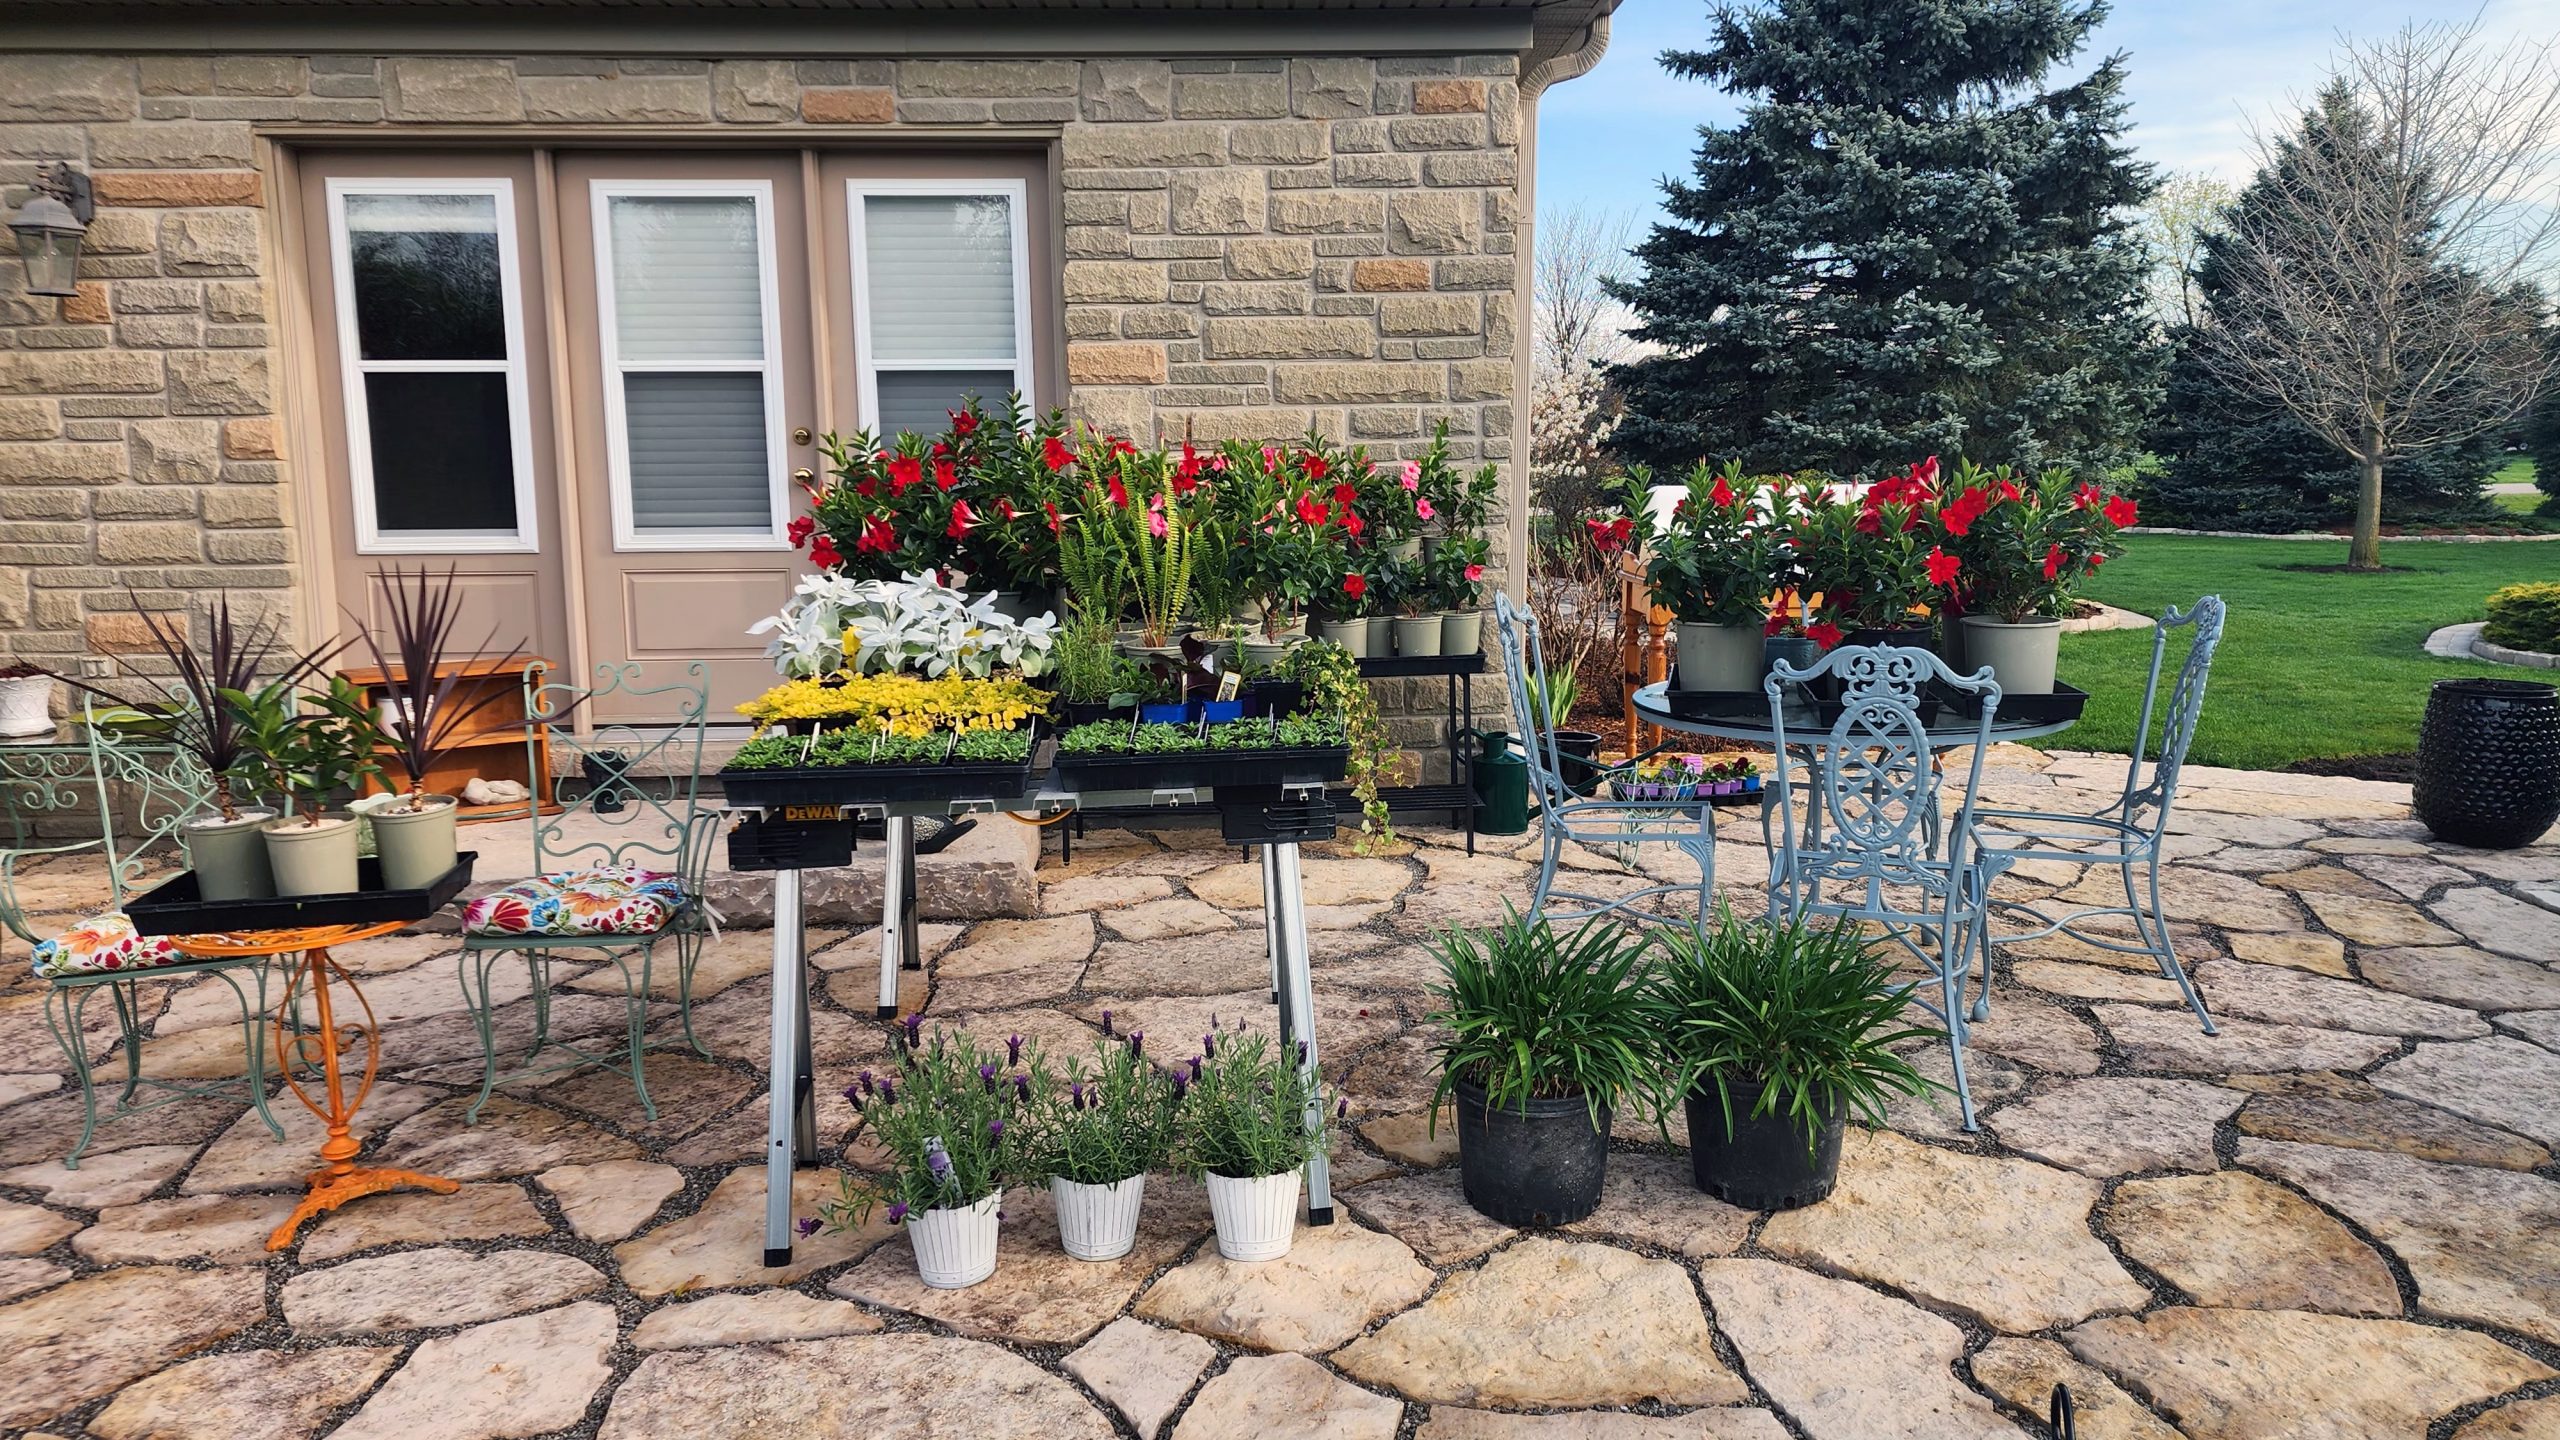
597	900
104	944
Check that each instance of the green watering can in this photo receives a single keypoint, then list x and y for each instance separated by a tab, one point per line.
1501	776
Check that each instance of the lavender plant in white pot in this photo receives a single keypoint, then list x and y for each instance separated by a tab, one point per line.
951	1119
1098	1129
1252	1118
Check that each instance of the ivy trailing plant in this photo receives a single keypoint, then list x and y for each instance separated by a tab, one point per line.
1335	687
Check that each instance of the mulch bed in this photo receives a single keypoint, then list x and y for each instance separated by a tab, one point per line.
2400	768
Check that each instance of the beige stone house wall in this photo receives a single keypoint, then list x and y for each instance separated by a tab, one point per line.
1251	248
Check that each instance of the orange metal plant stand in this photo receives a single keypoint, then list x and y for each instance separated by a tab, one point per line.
339	1179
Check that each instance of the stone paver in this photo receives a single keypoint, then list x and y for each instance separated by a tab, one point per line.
26	1229
2119	1126
2499	922
1429	1212
2463	975
2006	1241
1142	1369
119	1177
2261	992
491	1210
2170	1040
722	1244
1794	1330
2293	1375
893	1387
2482	1244
750	1318
524	1376
2325	1109
93	1336
1655	1200
2024	1372
2232	1240
1740	1423
245	1395
2524	1420
420	1289
2498	1081
609	1200
1286	1397
1552	1324
225	1229
1335	1281
2319	954
511	1138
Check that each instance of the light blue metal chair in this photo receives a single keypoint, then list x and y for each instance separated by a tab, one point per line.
140	794
2128	833
1867	849
1566	816
640	812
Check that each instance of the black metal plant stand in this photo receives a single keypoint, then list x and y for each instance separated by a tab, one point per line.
1458	794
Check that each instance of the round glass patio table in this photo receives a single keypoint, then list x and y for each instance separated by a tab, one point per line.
1654	709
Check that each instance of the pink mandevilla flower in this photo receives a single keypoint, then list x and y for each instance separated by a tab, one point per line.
1412	475
1155	523
1423	509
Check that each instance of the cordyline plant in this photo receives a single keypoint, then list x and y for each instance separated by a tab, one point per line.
420	679
208	727
1103	1121
951	1118
1251	1111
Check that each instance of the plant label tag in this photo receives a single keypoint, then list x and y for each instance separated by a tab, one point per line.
1230	685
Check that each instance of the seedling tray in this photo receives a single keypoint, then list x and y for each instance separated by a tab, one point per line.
876	784
1202	769
1737	706
172	907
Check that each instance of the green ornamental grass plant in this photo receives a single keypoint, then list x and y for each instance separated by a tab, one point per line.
1103	1121
1247	1111
1529	1013
1800	1020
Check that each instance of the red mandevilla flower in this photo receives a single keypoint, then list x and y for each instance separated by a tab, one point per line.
877	538
904	471
1722	495
1474	573
944	475
960	518
2053	562
822	553
1355	586
799	530
1352	524
1055	454
1119	493
1316	468
1942	567
2086	496
963	424
1005	508
1311	511
1823	633
1343	495
866	487
1057	522
2120	512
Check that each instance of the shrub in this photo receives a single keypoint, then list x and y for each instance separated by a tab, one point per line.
2525	617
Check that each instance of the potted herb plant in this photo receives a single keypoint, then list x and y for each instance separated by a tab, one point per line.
1776	1034
428	715
312	745
949	1116
2024	546
1543	1035
1097	1131
1713	564
26	701
1251	1120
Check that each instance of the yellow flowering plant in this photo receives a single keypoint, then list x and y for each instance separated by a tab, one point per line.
901	704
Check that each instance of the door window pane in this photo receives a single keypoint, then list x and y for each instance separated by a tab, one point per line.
941	276
698	459
921	400
442	450
687	278
426	276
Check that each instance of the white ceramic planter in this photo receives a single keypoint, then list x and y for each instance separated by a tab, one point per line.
26	706
1351	635
2021	657
1720	657
1256	1218
415	849
230	856
312	859
1418	634
1462	632
955	1248
1098	1222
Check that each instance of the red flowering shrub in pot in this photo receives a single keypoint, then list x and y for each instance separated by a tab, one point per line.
1714	565
2024	544
980	503
1875	562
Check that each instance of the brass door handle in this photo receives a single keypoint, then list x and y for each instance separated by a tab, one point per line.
804	475
800	436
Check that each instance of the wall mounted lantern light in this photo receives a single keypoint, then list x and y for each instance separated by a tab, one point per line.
49	228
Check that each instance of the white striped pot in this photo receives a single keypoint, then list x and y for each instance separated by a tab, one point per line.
955	1248
1098	1222
1256	1218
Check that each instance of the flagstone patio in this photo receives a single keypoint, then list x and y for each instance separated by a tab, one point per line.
2340	1218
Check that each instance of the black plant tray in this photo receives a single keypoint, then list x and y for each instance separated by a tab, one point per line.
2064	704
876	784
173	909
1203	769
760	842
1744	706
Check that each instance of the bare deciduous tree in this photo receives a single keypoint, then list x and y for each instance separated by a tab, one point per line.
1577	324
2379	275
2187	208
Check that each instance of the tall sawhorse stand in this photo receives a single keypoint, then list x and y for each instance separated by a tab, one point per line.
791	1130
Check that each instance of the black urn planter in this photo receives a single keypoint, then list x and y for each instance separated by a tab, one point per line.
2489	762
1539	1166
1578	756
1763	1164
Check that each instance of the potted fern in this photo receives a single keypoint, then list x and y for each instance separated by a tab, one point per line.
1252	1118
428	715
1159	536
1777	1033
1097	1131
950	1117
1543	1034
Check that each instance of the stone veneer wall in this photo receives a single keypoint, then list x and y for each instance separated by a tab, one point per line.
1252	248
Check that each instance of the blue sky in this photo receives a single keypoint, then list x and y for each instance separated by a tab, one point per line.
2200	71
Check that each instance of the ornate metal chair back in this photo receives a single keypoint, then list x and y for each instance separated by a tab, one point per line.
641	802
2156	790
1524	665
141	792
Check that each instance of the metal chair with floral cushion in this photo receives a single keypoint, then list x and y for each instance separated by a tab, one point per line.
141	795
1869	849
1567	815
2128	833
618	871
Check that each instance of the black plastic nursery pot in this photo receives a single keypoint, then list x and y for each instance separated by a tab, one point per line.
2489	762
1578	753
1763	1164
1538	1166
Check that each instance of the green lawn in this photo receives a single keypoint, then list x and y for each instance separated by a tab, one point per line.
2311	664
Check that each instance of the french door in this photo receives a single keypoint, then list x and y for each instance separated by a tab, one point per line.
592	382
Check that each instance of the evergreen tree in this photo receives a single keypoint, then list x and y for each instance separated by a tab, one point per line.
1905	247
2238	461
2542	432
